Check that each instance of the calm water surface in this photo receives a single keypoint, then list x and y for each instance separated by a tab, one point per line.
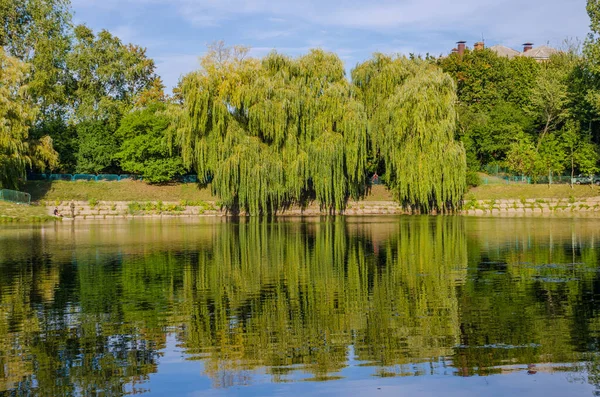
398	306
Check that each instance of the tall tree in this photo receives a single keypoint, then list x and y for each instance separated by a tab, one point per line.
522	156
411	108
109	77
549	95
275	131
492	93
551	159
39	32
97	147
17	114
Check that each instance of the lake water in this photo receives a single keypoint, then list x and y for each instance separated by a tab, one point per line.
386	306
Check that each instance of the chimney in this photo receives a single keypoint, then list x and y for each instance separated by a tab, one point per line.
527	47
479	46
461	47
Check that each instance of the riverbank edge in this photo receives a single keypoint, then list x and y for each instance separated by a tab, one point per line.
506	207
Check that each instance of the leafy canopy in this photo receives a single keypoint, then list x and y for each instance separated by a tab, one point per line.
273	132
412	116
17	114
144	149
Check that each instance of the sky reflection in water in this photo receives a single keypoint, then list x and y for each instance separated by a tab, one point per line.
348	306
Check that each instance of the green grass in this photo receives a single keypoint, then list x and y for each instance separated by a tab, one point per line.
10	213
151	207
379	193
136	191
190	194
539	192
93	192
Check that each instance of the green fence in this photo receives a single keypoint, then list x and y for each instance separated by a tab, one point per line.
101	177
83	177
510	179
497	174
15	197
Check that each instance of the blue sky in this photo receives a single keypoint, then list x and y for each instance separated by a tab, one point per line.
176	32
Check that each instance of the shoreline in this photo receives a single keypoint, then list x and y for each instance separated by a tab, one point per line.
584	207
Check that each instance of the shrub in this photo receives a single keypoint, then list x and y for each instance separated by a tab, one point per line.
473	179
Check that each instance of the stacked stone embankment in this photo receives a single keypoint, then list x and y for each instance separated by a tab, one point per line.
505	207
108	209
520	207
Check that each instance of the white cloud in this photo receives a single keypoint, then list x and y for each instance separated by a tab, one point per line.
499	15
499	19
361	27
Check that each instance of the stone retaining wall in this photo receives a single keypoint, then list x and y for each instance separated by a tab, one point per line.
587	206
107	209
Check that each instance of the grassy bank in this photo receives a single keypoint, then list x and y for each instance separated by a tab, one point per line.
52	193
10	213
522	191
115	191
57	191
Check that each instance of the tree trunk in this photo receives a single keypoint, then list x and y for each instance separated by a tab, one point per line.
544	132
572	169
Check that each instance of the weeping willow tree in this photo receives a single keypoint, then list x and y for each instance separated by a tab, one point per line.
17	115
273	132
412	119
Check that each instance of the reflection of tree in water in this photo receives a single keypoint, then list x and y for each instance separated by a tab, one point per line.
295	299
297	296
529	297
55	341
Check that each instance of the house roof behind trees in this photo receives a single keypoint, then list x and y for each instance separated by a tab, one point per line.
505	51
540	53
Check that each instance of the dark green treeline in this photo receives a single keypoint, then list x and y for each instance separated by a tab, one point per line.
289	297
266	133
278	131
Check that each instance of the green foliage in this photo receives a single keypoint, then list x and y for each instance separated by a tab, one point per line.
508	108
153	207
38	32
485	79
280	131
522	156
550	94
488	133
550	159
197	203
273	132
64	140
473	179
412	127
144	149
109	75
97	147
17	114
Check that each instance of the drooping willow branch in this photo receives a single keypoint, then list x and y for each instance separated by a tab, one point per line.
274	132
280	131
410	104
